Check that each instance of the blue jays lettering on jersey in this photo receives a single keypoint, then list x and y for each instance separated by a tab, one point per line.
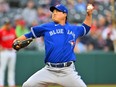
59	40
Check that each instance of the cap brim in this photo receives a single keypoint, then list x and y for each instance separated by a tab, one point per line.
52	8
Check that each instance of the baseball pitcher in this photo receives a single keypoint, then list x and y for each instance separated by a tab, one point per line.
59	37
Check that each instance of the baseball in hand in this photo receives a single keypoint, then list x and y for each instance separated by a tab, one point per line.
89	7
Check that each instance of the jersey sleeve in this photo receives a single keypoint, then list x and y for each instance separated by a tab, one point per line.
36	31
82	29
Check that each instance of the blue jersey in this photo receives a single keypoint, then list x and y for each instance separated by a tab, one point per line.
59	40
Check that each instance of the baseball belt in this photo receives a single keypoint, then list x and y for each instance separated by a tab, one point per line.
59	65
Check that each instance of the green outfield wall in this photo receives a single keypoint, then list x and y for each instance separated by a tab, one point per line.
94	68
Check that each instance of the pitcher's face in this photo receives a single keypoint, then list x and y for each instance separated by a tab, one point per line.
58	16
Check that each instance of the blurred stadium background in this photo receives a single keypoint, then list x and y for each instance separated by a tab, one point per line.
99	46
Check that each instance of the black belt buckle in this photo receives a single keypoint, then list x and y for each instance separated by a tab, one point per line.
60	65
68	64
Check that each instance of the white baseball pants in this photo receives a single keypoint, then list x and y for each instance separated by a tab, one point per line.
7	58
66	77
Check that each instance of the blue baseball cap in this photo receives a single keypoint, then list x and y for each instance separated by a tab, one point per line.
59	7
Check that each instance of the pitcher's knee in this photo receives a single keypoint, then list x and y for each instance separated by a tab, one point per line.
81	85
84	85
28	84
24	84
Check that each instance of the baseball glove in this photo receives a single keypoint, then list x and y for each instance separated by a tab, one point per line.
18	44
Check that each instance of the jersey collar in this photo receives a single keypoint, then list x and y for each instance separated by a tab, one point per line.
56	24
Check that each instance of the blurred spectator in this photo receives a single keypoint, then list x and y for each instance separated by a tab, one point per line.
4	6
91	1
45	3
55	2
101	21
101	42
107	32
29	13
80	6
109	43
43	15
17	19
108	17
70	4
40	44
79	47
90	41
113	36
34	23
94	28
21	28
102	1
7	54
